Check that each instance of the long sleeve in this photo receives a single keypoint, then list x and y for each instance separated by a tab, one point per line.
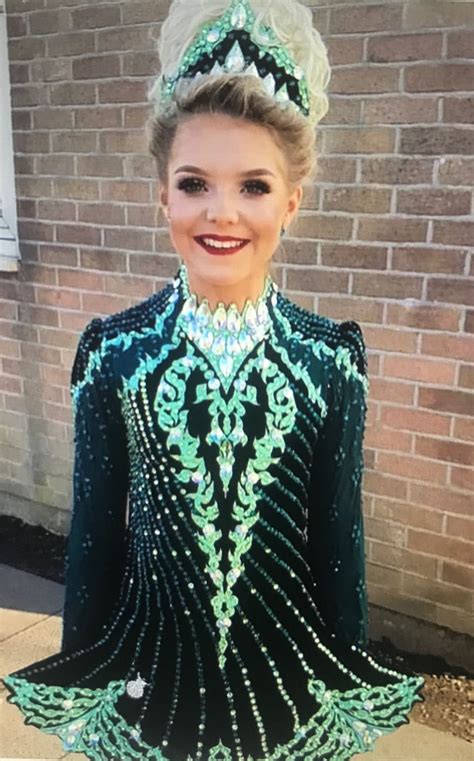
336	527
97	537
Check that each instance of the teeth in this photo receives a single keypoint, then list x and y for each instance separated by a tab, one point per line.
222	244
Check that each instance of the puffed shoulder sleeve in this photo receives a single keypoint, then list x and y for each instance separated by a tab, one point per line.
336	527
96	544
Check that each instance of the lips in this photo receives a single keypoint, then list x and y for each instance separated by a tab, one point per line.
240	244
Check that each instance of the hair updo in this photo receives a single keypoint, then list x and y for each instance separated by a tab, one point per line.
239	95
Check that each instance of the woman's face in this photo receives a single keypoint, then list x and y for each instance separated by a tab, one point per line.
227	183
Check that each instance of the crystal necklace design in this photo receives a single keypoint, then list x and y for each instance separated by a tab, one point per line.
225	335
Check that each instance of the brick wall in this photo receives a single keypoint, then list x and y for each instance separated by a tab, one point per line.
383	238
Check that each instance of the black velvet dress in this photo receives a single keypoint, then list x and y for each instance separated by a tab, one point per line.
216	603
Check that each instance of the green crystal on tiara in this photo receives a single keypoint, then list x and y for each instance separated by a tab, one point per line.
240	17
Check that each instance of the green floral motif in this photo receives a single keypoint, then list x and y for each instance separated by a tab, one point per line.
227	433
345	723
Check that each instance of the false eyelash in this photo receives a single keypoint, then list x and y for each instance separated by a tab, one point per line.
188	185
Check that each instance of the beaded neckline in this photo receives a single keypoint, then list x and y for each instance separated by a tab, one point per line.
225	335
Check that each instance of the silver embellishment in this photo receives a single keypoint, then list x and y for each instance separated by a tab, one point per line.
235	60
135	687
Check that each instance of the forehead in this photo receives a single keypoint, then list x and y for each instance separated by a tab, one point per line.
226	144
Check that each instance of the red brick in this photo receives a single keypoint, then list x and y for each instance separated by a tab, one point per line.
322	226
122	92
447	451
343	110
146	10
464	429
435	260
35	143
384	485
98	212
116	190
32	95
135	240
434	202
359	140
55	297
399	557
37	273
16	26
103	304
53	118
406	419
332	169
158	267
139	64
21	121
145	216
72	43
436	141
386	285
317	281
26	49
424	317
86	190
437	15
381	337
62	255
432	589
381	438
34	230
138	287
445	400
135	116
100	166
343	50
441	546
345	308
365	18
412	467
454	347
71	93
457	574
460	527
466	376
57	210
404	47
74	142
452	232
125	141
82	234
94	18
453	290
456	171
102	259
421	370
99	117
353	257
392	229
55	165
469	321
458	110
439	77
461	44
444	499
365	79
96	67
396	109
130	38
74	278
357	199
392	533
408	515
462	478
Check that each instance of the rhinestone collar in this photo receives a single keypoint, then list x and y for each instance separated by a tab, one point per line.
225	335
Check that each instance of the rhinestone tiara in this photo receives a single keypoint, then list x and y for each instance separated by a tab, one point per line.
231	45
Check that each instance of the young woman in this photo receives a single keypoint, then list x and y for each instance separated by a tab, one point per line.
224	614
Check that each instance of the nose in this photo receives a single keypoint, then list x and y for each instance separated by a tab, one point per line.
222	208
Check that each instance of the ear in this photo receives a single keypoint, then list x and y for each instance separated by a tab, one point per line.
294	203
163	198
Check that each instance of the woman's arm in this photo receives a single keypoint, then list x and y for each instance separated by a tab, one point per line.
336	528
96	544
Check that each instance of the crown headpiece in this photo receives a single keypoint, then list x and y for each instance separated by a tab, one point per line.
230	45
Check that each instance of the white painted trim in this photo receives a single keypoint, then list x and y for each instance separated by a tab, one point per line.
9	245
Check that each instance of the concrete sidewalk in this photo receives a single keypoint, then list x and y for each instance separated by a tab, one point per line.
31	630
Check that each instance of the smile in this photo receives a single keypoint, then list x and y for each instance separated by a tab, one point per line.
213	246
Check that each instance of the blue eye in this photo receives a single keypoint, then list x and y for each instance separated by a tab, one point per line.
193	185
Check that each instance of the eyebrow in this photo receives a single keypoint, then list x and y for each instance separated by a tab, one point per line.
250	173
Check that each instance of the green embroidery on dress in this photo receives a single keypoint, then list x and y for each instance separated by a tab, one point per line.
345	723
227	433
